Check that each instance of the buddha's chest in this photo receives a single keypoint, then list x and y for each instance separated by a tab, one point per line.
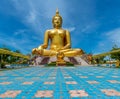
56	34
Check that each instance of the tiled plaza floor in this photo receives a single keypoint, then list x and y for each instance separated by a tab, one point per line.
60	83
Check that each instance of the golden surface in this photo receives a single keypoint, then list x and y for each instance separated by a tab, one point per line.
59	41
118	63
60	59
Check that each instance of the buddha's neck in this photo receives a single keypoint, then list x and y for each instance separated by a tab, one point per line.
57	27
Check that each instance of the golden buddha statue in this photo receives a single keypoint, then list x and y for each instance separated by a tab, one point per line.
60	41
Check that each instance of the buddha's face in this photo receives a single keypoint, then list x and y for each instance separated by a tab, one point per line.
57	22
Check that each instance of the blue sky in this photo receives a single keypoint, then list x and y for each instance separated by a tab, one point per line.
94	24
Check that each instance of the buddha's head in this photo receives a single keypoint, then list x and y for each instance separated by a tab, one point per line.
57	20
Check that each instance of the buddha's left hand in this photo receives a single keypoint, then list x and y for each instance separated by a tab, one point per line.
59	49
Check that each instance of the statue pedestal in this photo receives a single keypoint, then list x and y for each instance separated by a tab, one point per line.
60	63
77	60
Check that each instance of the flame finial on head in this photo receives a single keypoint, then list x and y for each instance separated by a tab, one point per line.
57	12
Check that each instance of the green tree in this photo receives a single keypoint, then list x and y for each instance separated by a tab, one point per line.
17	51
16	59
116	55
101	60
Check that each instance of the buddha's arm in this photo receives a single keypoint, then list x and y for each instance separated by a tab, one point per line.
45	44
68	41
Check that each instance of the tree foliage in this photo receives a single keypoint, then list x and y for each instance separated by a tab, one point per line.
9	57
100	60
17	51
116	55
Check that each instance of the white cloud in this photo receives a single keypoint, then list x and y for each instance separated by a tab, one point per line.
70	29
20	32
37	14
29	13
24	44
109	39
114	36
102	47
88	28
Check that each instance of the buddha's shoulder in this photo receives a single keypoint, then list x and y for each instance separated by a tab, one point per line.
65	30
49	30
